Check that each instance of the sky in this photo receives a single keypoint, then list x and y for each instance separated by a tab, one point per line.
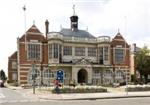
98	17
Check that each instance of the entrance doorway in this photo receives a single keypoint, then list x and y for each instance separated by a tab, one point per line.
82	76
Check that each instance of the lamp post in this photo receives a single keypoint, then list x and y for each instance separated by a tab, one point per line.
114	74
49	72
49	76
33	76
126	82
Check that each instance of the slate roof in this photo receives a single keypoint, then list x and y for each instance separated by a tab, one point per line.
76	33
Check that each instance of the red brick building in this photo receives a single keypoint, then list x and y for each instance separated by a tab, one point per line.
12	67
82	57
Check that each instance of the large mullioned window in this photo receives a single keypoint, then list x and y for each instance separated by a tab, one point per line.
54	50
119	55
34	51
103	54
79	51
91	51
67	50
106	53
50	51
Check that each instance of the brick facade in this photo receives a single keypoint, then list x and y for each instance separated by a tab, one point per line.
12	67
51	57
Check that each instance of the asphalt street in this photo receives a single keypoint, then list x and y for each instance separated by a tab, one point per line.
123	101
11	96
14	97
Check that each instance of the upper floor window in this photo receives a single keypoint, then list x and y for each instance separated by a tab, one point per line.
50	51
101	55
91	51
106	53
14	65
34	51
67	50
119	55
79	51
56	50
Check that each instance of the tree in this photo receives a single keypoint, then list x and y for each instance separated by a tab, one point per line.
142	63
3	76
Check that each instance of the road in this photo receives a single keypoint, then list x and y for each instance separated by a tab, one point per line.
14	97
11	96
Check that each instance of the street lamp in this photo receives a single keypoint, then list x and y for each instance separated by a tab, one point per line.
126	82
114	74
33	76
49	77
49	71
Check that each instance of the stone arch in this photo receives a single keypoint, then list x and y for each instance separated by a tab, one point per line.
30	77
82	76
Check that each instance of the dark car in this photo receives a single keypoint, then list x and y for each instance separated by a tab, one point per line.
1	83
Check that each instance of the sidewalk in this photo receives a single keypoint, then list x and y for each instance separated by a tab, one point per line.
112	93
87	96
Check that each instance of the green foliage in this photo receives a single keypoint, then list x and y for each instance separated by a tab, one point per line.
132	78
3	76
80	90
134	89
142	62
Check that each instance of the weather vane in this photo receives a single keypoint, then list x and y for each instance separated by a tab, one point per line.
73	9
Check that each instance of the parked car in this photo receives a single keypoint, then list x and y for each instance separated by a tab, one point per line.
1	83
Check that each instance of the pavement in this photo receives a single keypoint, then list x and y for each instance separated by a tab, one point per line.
112	93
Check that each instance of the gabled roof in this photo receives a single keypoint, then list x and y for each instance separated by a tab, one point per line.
13	56
118	39
33	29
33	33
76	33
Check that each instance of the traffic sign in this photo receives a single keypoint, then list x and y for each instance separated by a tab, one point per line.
60	76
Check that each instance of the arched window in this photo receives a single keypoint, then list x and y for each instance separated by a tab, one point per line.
31	75
48	74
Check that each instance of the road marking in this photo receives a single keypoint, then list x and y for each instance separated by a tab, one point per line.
1	95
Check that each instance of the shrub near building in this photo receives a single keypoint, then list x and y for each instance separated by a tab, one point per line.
81	89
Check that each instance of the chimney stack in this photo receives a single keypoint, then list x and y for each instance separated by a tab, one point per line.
46	27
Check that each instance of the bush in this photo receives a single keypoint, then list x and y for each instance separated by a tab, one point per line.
82	89
138	88
132	78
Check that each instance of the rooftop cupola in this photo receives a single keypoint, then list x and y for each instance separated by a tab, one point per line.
74	20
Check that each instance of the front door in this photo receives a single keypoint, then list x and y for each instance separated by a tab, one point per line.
82	76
